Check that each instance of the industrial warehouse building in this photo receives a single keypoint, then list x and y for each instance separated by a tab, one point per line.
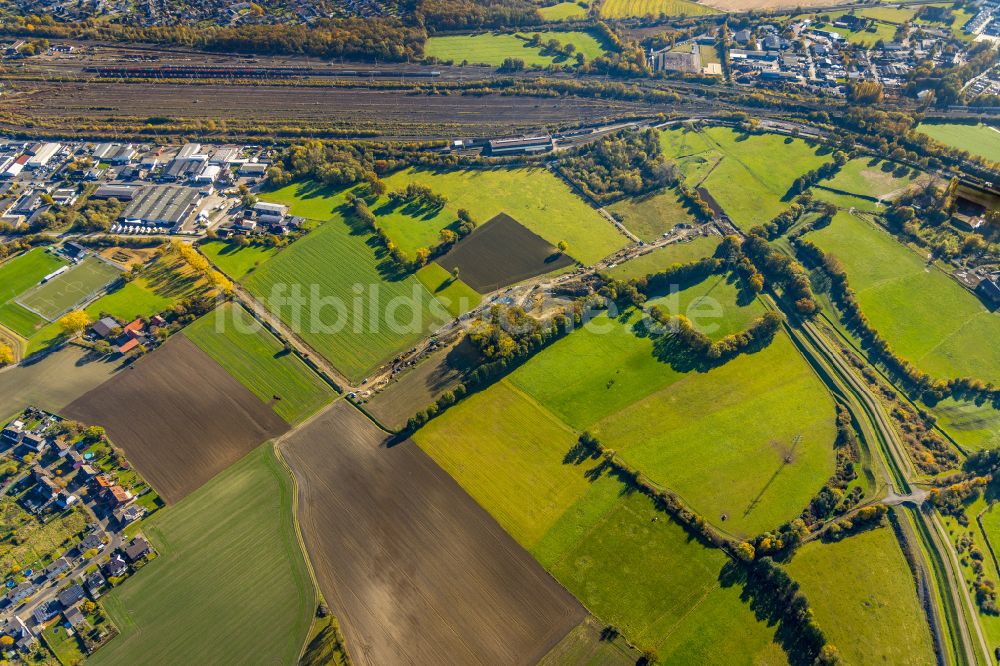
519	145
161	206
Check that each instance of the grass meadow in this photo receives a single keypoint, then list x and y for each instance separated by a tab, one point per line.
882	31
492	48
972	426
563	11
259	362
534	197
748	444
864	597
929	319
751	439
457	296
871	178
664	257
629	564
650	216
752	180
981	140
683	141
235	261
230	584
639	8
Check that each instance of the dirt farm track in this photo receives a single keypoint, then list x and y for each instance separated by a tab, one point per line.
180	418
414	569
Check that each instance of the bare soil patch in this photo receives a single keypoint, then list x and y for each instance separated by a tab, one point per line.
419	387
502	252
180	418
413	568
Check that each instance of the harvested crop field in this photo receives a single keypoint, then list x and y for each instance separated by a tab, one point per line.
395	541
54	380
502	252
180	417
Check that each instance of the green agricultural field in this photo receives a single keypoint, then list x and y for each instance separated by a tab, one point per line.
650	216
363	313
610	364
748	444
563	11
492	48
981	140
752	181
641	572
454	294
236	262
534	197
929	319
981	526
629	564
507	452
64	291
257	359
664	257
230	584
864	597
867	177
640	8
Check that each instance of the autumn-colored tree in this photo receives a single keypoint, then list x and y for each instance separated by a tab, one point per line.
6	354
74	322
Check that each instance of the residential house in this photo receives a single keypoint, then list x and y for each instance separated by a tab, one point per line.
71	595
57	567
136	549
47	611
95	582
93	541
103	327
75	617
116	496
989	291
13	432
115	567
128	514
19	632
20	593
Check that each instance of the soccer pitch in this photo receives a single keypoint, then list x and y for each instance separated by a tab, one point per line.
68	289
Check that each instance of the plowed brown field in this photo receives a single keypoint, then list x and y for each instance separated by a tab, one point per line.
414	569
180	418
501	252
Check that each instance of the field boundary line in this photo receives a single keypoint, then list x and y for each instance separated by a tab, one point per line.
299	538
